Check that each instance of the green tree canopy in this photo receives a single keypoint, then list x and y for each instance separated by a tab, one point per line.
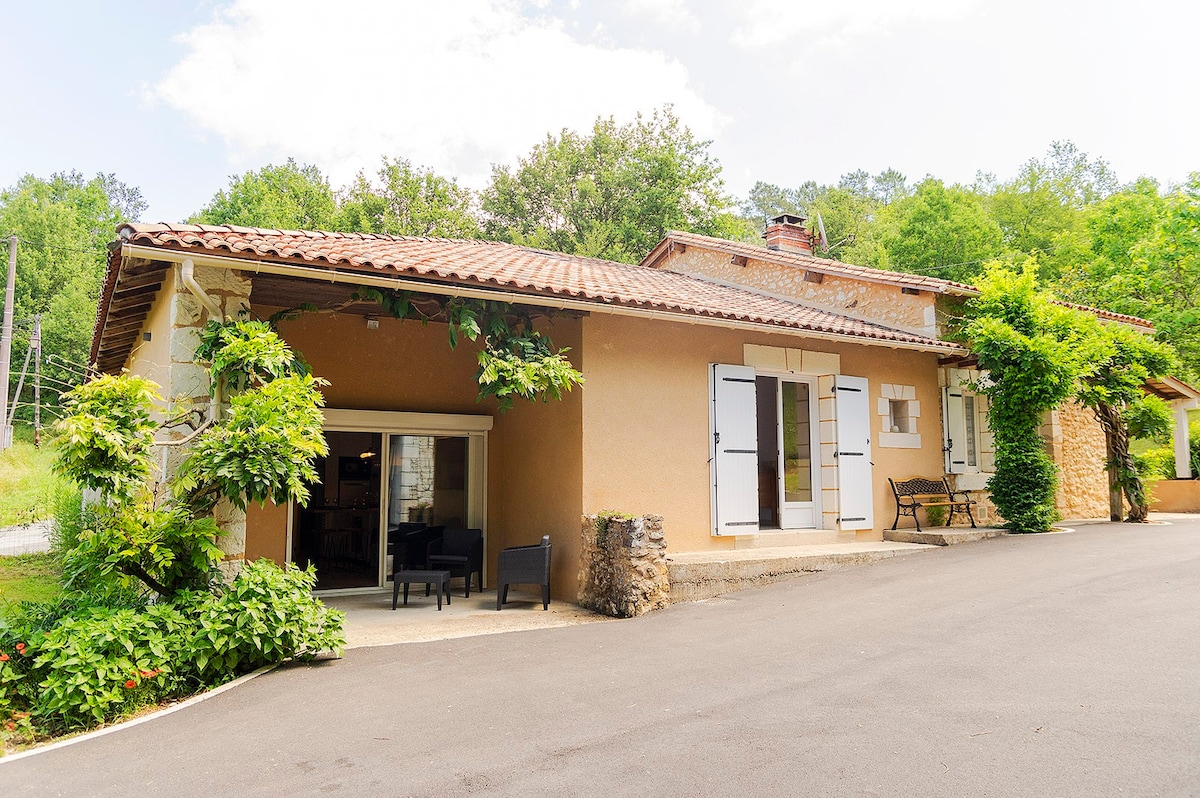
288	197
409	201
941	231
612	193
63	224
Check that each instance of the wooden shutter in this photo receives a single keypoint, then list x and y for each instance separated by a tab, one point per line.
955	421
734	451
856	501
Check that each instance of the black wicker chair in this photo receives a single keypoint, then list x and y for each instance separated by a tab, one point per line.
524	565
458	551
412	548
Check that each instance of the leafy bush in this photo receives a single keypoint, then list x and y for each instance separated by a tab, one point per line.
72	664
1156	463
104	442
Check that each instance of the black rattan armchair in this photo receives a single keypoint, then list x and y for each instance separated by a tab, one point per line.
524	565
459	551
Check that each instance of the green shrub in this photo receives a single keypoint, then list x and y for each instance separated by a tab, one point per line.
1156	463
72	664
267	615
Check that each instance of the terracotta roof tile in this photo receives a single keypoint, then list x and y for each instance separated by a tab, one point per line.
811	263
513	268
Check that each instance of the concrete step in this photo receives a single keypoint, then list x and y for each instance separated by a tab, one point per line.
942	535
704	574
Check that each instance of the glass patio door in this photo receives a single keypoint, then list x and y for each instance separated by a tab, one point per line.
798	442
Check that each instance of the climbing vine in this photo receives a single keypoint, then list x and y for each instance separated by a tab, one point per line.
516	361
1033	352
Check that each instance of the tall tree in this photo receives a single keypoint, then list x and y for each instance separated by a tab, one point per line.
1121	361
612	193
940	231
1140	254
291	196
63	224
407	200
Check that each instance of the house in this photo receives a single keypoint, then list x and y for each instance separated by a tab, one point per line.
739	392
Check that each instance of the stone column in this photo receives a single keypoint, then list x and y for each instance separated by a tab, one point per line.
188	384
623	565
1183	467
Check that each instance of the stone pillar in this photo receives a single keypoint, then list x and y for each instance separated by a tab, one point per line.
188	384
1183	467
623	565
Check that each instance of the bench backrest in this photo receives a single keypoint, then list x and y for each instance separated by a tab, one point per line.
920	486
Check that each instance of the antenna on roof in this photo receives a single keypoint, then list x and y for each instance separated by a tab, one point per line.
823	240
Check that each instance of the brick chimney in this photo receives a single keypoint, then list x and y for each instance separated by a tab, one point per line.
786	231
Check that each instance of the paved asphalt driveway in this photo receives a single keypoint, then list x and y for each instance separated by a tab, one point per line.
1057	665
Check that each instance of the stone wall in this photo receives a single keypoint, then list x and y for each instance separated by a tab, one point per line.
1076	442
188	384
859	299
623	565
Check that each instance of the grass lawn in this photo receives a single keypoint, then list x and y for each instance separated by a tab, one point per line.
27	485
28	577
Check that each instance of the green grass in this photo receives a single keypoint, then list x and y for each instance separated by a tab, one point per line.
27	484
28	577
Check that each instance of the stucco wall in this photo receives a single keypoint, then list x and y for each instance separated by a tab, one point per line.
646	419
152	359
885	304
1076	442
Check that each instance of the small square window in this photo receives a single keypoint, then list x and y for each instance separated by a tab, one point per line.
899	416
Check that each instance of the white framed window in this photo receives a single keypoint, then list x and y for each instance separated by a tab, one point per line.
963	438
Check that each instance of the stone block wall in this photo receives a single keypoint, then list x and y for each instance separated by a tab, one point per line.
1076	442
188	385
623	565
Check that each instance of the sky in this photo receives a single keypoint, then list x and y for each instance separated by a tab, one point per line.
176	96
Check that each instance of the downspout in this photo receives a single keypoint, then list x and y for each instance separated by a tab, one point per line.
187	274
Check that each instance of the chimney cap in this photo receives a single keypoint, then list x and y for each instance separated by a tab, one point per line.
787	218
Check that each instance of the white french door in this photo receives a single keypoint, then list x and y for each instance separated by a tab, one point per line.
798	445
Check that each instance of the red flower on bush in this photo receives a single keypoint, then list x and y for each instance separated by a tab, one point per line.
10	726
20	647
129	685
146	674
3	657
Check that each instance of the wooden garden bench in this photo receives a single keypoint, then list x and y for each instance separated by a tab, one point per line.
917	492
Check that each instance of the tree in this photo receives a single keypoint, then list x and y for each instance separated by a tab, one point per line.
1033	352
1140	254
1121	361
407	201
63	224
613	193
940	231
287	197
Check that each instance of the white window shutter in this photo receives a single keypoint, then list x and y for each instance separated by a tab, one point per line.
856	501
956	431
734	442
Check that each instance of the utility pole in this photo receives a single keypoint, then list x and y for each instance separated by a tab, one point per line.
37	380
6	345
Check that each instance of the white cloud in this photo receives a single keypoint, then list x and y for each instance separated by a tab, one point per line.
454	86
664	12
837	23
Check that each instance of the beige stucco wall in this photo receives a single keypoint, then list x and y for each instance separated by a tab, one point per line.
646	419
534	451
152	359
1174	495
1076	442
885	304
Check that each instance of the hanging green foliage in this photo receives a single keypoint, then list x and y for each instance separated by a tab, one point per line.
516	360
104	442
1033	352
